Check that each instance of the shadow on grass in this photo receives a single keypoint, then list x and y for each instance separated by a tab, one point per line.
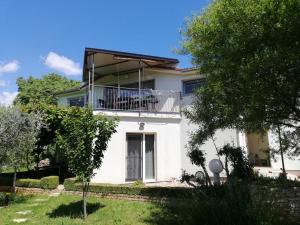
74	210
175	212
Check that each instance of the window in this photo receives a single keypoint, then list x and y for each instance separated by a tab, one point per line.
76	101
190	85
140	157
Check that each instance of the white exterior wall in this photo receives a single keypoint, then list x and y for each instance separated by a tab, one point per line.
172	135
167	155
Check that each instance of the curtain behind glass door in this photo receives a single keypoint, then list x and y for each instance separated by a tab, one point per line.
149	156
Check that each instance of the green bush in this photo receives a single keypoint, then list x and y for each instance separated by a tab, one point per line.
7	198
50	182
4	199
30	183
72	185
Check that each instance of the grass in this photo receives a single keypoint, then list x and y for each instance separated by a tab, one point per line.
66	209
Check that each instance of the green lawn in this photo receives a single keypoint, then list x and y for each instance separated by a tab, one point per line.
66	209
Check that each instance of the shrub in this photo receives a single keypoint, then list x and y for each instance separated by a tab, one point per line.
4	199
50	182
7	198
178	192
31	183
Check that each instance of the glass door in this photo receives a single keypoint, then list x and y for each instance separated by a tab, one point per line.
134	157
140	157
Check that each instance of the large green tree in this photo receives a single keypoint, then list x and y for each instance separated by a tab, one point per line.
84	138
38	94
249	51
42	90
18	135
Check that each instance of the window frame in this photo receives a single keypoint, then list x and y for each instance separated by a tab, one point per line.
185	82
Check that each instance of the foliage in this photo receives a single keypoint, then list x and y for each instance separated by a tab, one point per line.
30	183
275	182
249	53
235	157
173	192
50	182
84	138
42	90
46	146
18	135
138	183
197	157
7	198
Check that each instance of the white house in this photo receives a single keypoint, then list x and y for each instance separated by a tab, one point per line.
147	94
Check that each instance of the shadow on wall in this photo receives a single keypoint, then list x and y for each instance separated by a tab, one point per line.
74	210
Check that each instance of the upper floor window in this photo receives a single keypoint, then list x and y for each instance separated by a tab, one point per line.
76	101
190	85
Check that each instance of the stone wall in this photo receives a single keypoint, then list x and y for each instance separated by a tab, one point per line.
286	199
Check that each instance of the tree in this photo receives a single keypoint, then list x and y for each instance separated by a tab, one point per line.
38	94
249	53
42	90
241	167
84	138
18	135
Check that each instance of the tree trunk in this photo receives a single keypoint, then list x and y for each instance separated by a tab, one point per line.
14	180
84	200
281	151
207	178
226	166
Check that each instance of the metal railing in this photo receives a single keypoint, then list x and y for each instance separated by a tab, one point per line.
132	99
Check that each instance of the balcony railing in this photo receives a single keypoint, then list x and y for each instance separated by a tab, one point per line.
139	100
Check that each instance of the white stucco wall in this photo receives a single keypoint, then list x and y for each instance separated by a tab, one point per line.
172	134
168	162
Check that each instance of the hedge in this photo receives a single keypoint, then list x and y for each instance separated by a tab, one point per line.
177	192
50	182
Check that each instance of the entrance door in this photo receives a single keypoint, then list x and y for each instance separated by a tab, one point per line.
140	158
134	157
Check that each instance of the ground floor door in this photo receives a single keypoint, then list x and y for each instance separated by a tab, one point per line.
140	157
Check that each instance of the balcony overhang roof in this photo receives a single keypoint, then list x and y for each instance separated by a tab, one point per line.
107	62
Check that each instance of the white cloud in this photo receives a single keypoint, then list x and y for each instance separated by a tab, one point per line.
3	83
62	64
7	98
9	67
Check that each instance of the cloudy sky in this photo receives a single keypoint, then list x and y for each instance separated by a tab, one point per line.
39	37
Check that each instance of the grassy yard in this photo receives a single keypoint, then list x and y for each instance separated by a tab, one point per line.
66	209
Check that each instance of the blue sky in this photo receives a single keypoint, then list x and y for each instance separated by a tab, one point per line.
39	37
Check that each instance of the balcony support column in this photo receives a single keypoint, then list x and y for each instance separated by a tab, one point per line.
140	86
93	81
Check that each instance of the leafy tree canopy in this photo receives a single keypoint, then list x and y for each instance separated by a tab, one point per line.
84	138
41	90
18	135
249	51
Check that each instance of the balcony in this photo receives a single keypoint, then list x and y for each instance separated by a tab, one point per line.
135	100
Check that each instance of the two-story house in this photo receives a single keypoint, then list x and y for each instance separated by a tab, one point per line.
147	94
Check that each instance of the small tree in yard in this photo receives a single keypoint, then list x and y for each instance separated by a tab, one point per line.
18	135
84	138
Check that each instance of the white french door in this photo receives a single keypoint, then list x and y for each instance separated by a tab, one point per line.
140	157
